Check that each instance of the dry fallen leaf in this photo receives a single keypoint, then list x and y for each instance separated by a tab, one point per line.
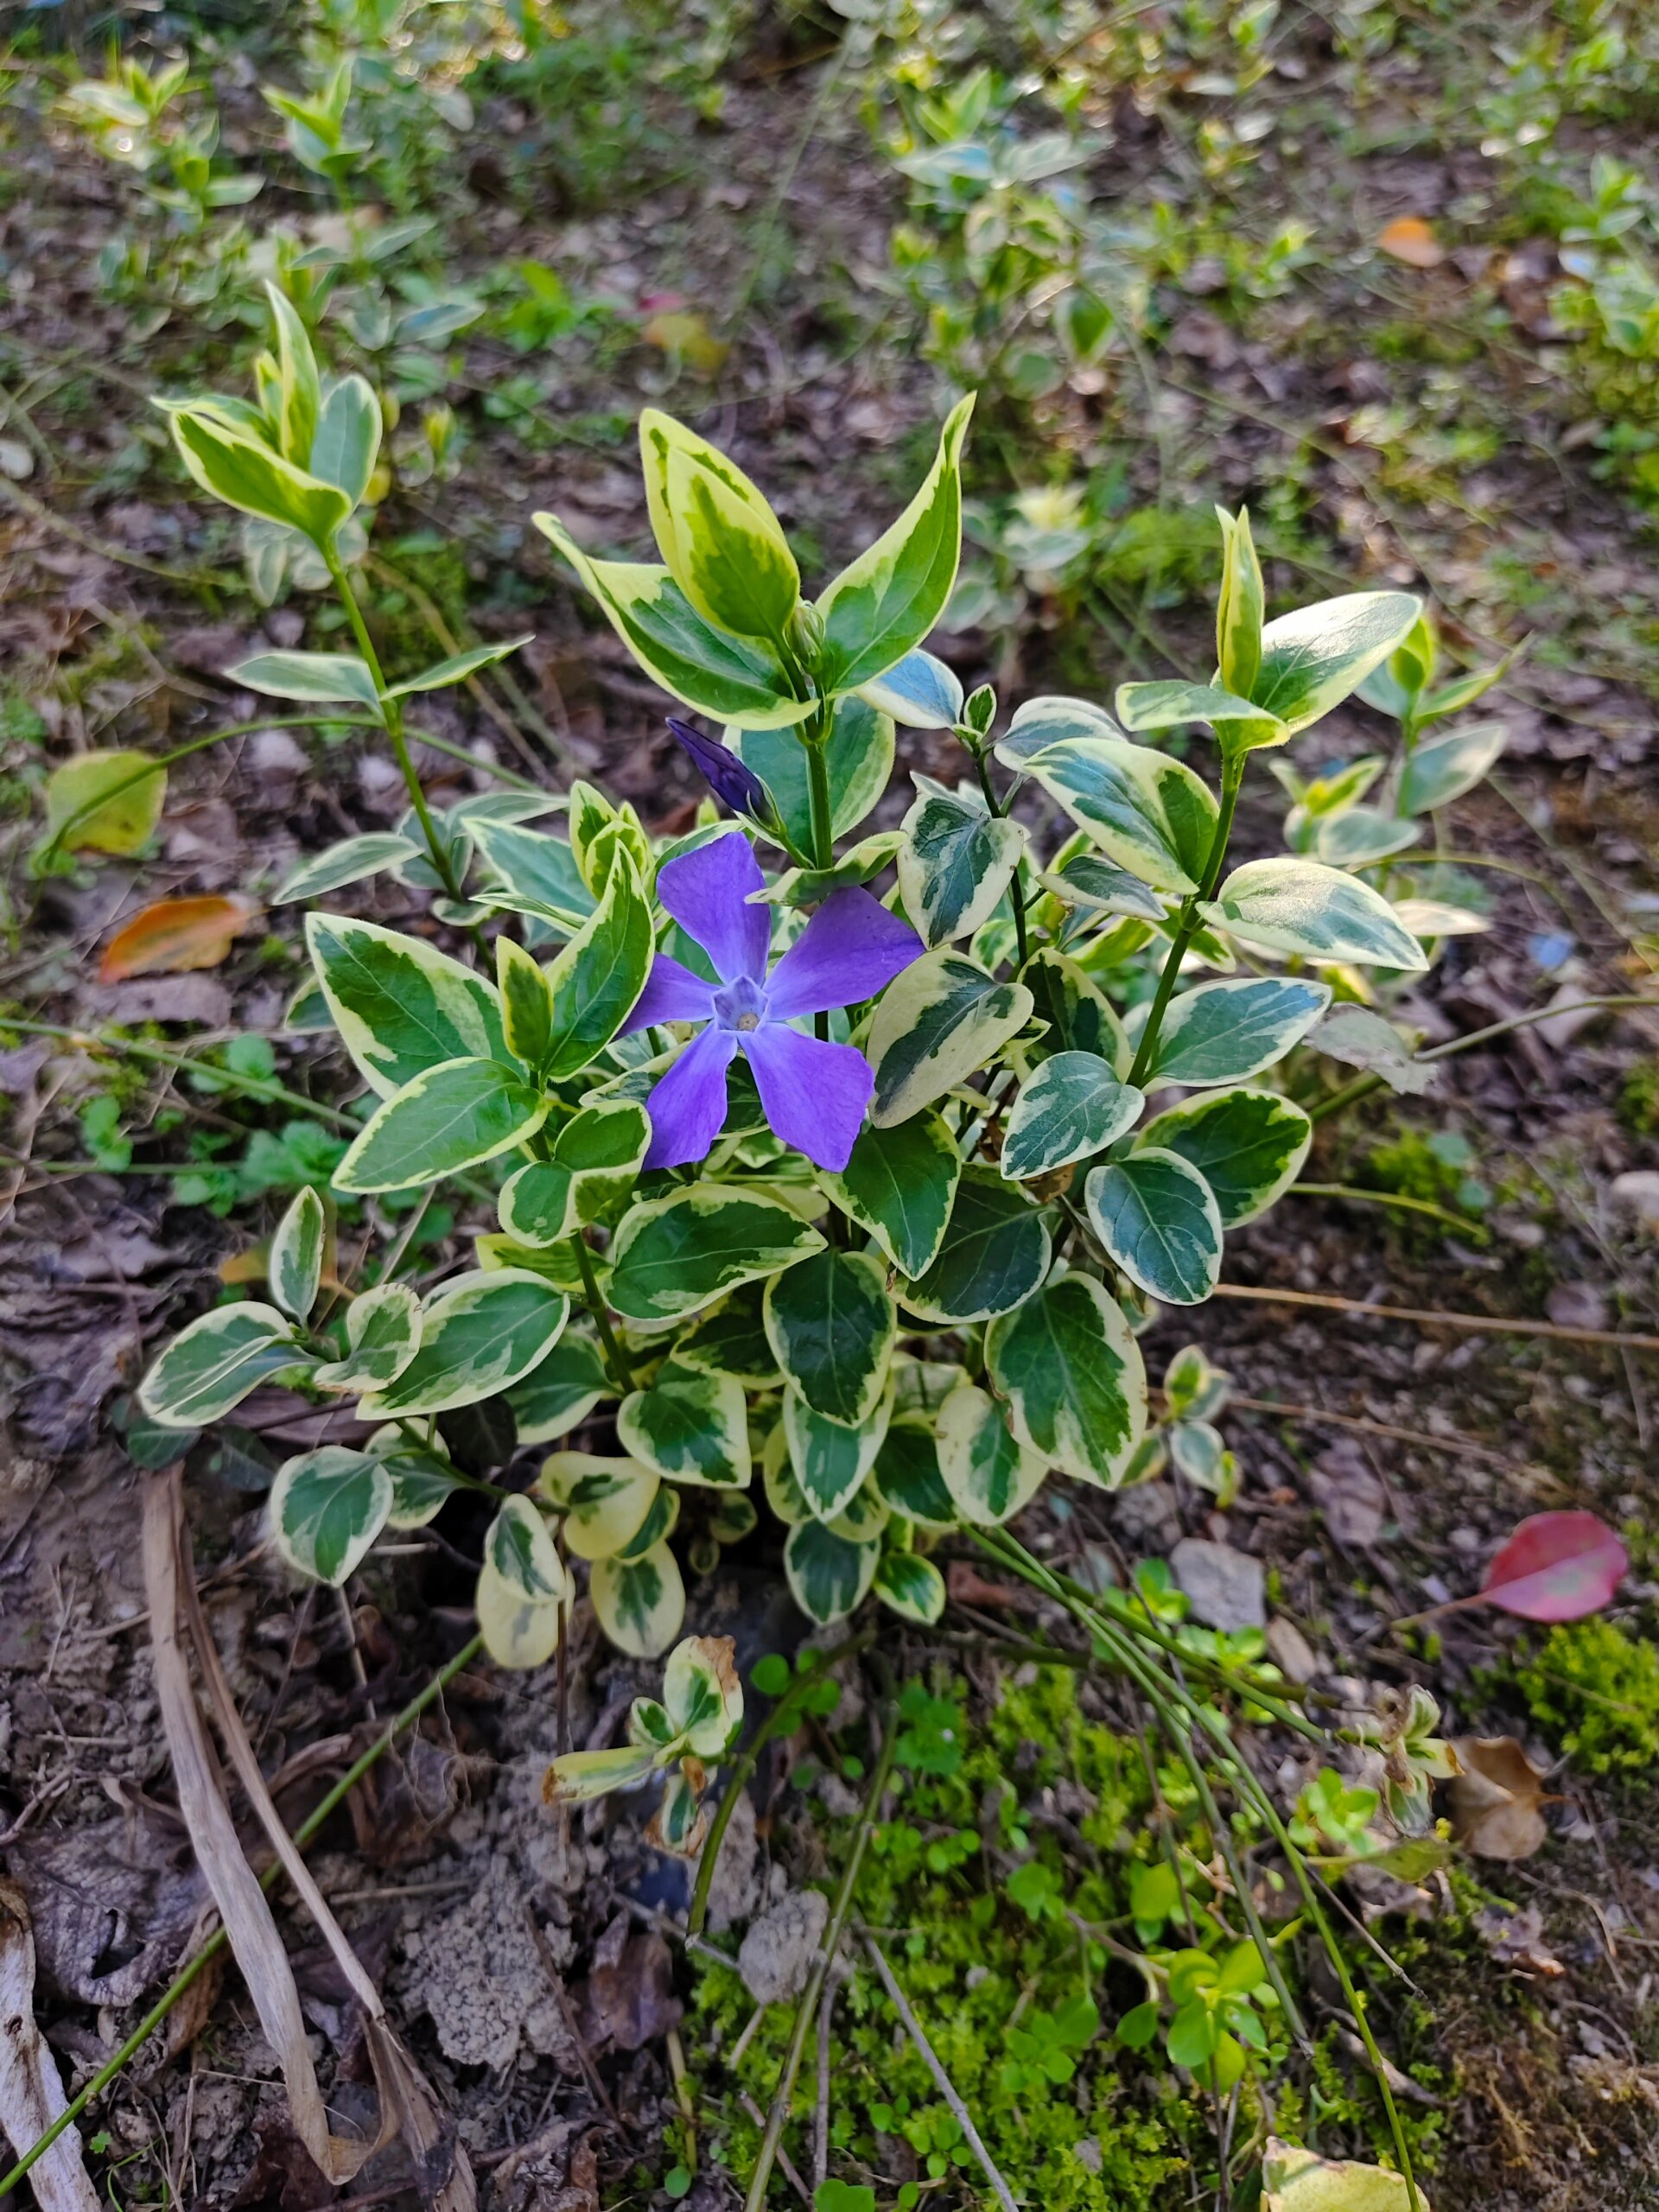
174	934
1410	240
1516	1938
1496	1800
31	2093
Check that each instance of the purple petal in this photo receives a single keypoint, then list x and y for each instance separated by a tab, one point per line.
723	773
672	993
812	1092
688	1104
851	949
705	891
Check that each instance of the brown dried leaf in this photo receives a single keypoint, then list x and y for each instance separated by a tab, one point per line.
1515	1938
175	936
1496	1799
31	2094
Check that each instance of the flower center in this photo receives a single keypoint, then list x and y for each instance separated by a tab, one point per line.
742	1004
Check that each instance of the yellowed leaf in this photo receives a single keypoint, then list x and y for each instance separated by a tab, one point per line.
1496	1799
1296	2180
1410	240
175	935
677	330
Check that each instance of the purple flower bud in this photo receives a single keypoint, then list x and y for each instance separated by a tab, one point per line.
723	773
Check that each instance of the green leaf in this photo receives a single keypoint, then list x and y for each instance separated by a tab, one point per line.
989	1474
639	1603
596	1158
450	1117
907	1476
1048	721
858	760
400	1008
829	1461
1169	703
526	1004
213	1362
597	977
911	1587
1241	607
383	1332
994	1252
1360	836
1312	659
736	680
457	667
348	861
1441	769
578	1777
1079	1015
1159	1220
1071	1372
294	1269
539	870
518	1632
324	676
1096	885
326	1508
674	1255
246	474
941	1019
732	1340
690	1426
831	1323
606	1502
1248	1145
956	862
347	441
891	596
1148	813
721	542
829	1576
918	692
1228	1032
125	821
518	1547
479	1334
1073	1105
1296	905
898	1184
299	387
560	1390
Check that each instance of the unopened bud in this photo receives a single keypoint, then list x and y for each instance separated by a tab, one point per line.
806	635
979	710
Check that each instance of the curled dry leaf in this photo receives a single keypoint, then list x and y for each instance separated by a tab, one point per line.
1515	1938
1557	1566
31	2094
1496	1800
174	934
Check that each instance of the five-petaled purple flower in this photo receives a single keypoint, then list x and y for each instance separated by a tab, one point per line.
813	1093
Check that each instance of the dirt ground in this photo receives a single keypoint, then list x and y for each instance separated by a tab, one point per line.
1382	1460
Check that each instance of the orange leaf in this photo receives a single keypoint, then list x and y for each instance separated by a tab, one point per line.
173	935
687	334
1410	240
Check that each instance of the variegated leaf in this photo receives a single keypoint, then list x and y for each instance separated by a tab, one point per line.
690	1426
956	862
1297	906
605	1502
639	1603
1249	1145
1068	1367
212	1364
907	1478
1158	1218
450	1116
995	1252
702	1694
989	1474
294	1269
1148	813
1228	1032
898	1184
828	1459
910	1586
400	1008
830	1321
479	1334
943	1017
674	1255
828	1575
326	1508
383	1330
1071	1106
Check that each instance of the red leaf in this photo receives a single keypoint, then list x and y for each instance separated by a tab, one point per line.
1557	1566
175	935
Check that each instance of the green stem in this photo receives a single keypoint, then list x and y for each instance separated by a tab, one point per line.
816	739
780	1721
1232	775
216	1942
182	752
250	1086
806	2011
393	711
1016	896
615	1358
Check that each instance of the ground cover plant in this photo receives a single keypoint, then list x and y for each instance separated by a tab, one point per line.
891	1245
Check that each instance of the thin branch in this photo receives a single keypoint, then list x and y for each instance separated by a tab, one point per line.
1494	1324
963	2117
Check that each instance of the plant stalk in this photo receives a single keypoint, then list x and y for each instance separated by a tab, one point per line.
1232	775
615	1358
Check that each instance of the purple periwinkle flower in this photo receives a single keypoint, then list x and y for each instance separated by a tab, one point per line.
723	773
813	1093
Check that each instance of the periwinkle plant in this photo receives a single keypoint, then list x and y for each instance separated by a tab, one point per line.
813	1148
